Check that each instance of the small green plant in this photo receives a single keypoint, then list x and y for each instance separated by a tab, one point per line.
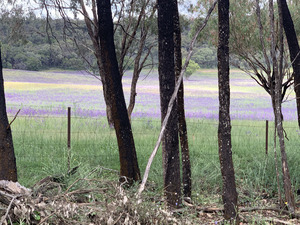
192	68
36	216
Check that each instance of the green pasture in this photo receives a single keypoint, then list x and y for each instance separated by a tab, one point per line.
41	141
41	150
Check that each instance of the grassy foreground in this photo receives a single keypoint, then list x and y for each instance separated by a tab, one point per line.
41	150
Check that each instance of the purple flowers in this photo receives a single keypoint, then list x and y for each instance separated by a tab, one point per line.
50	93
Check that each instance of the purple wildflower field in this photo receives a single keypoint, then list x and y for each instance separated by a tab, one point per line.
51	92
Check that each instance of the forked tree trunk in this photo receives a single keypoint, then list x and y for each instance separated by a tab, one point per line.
277	100
8	168
294	49
127	42
229	194
138	66
170	149
185	155
128	160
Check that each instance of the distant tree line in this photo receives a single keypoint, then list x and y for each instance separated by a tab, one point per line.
31	44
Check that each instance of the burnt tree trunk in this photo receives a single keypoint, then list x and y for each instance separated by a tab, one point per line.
93	31
170	148
294	49
8	168
128	160
185	155
107	99
229	194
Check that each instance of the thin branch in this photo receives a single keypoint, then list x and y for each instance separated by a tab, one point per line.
8	126
8	209
261	36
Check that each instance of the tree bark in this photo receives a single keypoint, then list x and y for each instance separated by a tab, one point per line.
170	149
229	194
294	49
185	155
128	160
8	167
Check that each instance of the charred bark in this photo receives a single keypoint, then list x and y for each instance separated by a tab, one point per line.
170	148
8	167
229	194
185	155
128	160
294	49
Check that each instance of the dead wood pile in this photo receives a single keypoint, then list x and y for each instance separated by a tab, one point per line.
86	200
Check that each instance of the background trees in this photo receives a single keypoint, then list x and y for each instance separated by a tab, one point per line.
132	22
30	35
266	63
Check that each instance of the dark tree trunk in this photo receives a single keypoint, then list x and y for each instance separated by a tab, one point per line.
170	148
294	49
128	159
224	131
107	99
8	168
185	155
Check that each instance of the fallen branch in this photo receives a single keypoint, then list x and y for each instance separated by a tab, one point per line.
46	218
269	219
280	211
215	210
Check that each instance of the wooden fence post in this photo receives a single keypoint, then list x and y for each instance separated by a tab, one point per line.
69	139
69	127
267	136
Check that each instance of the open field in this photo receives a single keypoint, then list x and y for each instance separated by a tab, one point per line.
40	131
51	92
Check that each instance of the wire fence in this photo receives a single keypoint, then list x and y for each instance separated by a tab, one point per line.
50	144
43	131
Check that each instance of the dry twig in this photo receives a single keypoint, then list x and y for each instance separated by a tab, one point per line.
7	210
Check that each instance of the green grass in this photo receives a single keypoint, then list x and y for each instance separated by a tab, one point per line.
41	150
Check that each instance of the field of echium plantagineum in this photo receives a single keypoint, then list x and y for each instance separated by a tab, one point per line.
40	131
